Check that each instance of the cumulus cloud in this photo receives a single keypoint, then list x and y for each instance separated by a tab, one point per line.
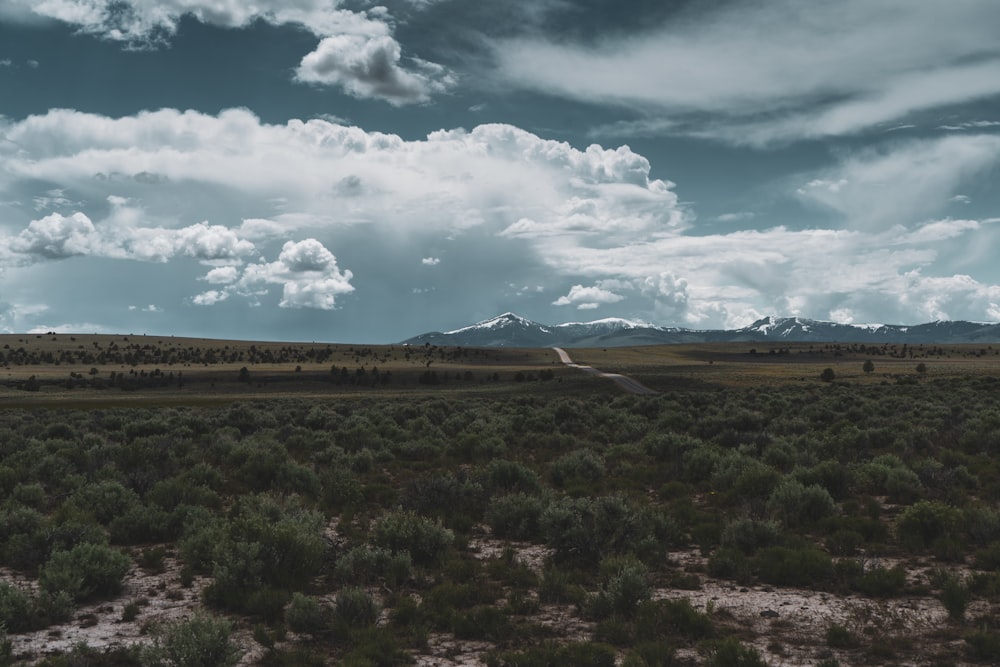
372	67
357	50
453	179
430	261
223	275
548	214
824	70
307	273
587	298
57	236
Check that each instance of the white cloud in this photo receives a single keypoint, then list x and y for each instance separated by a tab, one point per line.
971	125
223	275
210	298
546	211
371	67
294	172
738	216
6	62
903	183
823	69
587	298
58	237
357	50
430	261
307	272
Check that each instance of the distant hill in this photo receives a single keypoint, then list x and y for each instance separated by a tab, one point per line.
510	330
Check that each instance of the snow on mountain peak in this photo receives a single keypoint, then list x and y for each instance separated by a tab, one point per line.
499	322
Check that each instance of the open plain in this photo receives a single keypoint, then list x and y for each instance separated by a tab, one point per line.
310	503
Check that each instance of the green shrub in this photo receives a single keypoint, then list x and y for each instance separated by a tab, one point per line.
577	654
367	565
487	623
624	585
784	566
954	593
880	582
585	530
581	466
424	539
201	538
730	652
269	548
651	654
85	572
104	500
989	557
837	636
730	563
307	615
15	608
558	587
199	641
141	524
843	542
749	535
794	504
920	525
501	476
355	608
903	486
671	619
515	516
983	645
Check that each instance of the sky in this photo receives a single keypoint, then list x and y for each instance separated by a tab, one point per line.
347	171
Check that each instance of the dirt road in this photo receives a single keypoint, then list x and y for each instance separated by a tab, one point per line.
623	381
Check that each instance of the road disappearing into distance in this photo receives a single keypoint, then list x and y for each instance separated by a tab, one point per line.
623	381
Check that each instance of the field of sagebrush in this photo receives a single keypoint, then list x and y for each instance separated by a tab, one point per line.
815	523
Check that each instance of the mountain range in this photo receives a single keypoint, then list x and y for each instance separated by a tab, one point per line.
510	330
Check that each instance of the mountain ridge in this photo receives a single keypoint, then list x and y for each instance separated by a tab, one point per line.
512	330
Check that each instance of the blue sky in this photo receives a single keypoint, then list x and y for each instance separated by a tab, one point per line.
341	170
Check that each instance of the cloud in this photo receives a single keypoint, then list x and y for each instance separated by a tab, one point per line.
371	67
307	273
738	216
57	236
508	207
210	298
224	275
430	261
356	51
588	298
823	70
971	125
901	183
294	174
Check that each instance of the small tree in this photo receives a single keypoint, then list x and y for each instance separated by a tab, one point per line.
868	367
921	368
827	375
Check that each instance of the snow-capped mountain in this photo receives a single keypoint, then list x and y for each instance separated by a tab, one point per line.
510	330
